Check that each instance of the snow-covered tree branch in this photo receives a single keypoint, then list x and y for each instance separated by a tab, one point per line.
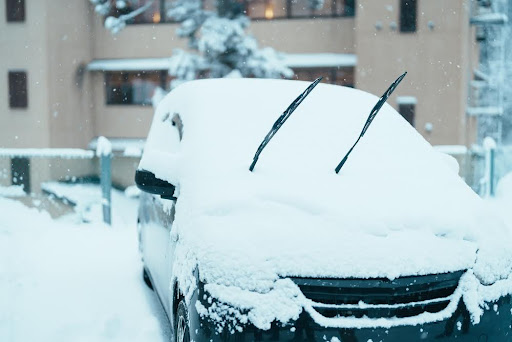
218	42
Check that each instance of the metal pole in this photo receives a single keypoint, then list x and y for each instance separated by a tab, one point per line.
104	152
490	149
492	155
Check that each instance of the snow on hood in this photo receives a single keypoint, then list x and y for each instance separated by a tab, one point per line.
396	208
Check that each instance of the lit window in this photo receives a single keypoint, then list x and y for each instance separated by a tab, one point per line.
343	76
152	15
276	9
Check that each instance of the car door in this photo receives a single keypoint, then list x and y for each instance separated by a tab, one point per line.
157	239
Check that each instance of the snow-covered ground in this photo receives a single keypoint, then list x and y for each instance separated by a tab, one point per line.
65	280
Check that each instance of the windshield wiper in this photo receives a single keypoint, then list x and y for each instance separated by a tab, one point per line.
372	116
282	119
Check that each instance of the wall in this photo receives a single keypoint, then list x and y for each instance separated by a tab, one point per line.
306	35
117	121
135	41
69	51
24	48
437	61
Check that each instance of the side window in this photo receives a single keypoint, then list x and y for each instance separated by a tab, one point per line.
408	13
15	10
18	97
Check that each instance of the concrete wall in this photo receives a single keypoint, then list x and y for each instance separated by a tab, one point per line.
437	61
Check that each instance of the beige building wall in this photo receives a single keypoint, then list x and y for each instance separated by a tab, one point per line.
69	42
67	105
437	60
24	48
335	35
135	41
50	47
117	121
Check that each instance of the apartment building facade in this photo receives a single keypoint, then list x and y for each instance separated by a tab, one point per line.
67	80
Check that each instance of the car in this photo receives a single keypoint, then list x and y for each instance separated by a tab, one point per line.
340	224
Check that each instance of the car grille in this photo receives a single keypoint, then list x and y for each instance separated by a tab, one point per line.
380	298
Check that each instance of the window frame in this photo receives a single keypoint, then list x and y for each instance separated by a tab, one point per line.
15	11
18	98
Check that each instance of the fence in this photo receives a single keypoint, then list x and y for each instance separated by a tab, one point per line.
486	166
29	169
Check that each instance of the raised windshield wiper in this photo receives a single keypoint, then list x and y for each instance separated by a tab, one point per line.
282	119
372	116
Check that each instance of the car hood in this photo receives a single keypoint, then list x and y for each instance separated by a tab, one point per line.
269	247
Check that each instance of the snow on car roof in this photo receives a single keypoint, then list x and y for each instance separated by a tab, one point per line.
392	171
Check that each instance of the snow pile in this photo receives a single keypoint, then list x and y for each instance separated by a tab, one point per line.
397	207
67	153
12	191
104	147
87	201
62	281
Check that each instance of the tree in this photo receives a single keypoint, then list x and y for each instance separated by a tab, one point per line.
218	42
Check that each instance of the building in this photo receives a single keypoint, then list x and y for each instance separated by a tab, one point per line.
67	80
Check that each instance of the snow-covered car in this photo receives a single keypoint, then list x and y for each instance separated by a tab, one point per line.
393	247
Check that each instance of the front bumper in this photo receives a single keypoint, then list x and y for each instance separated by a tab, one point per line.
495	326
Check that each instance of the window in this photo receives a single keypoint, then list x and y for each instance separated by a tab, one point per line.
341	76
255	9
407	111
20	173
136	87
15	10
152	15
408	15
18	89
275	9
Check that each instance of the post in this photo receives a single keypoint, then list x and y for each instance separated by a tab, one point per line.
492	176
490	170
104	153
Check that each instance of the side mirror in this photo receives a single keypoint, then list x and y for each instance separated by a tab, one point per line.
147	182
